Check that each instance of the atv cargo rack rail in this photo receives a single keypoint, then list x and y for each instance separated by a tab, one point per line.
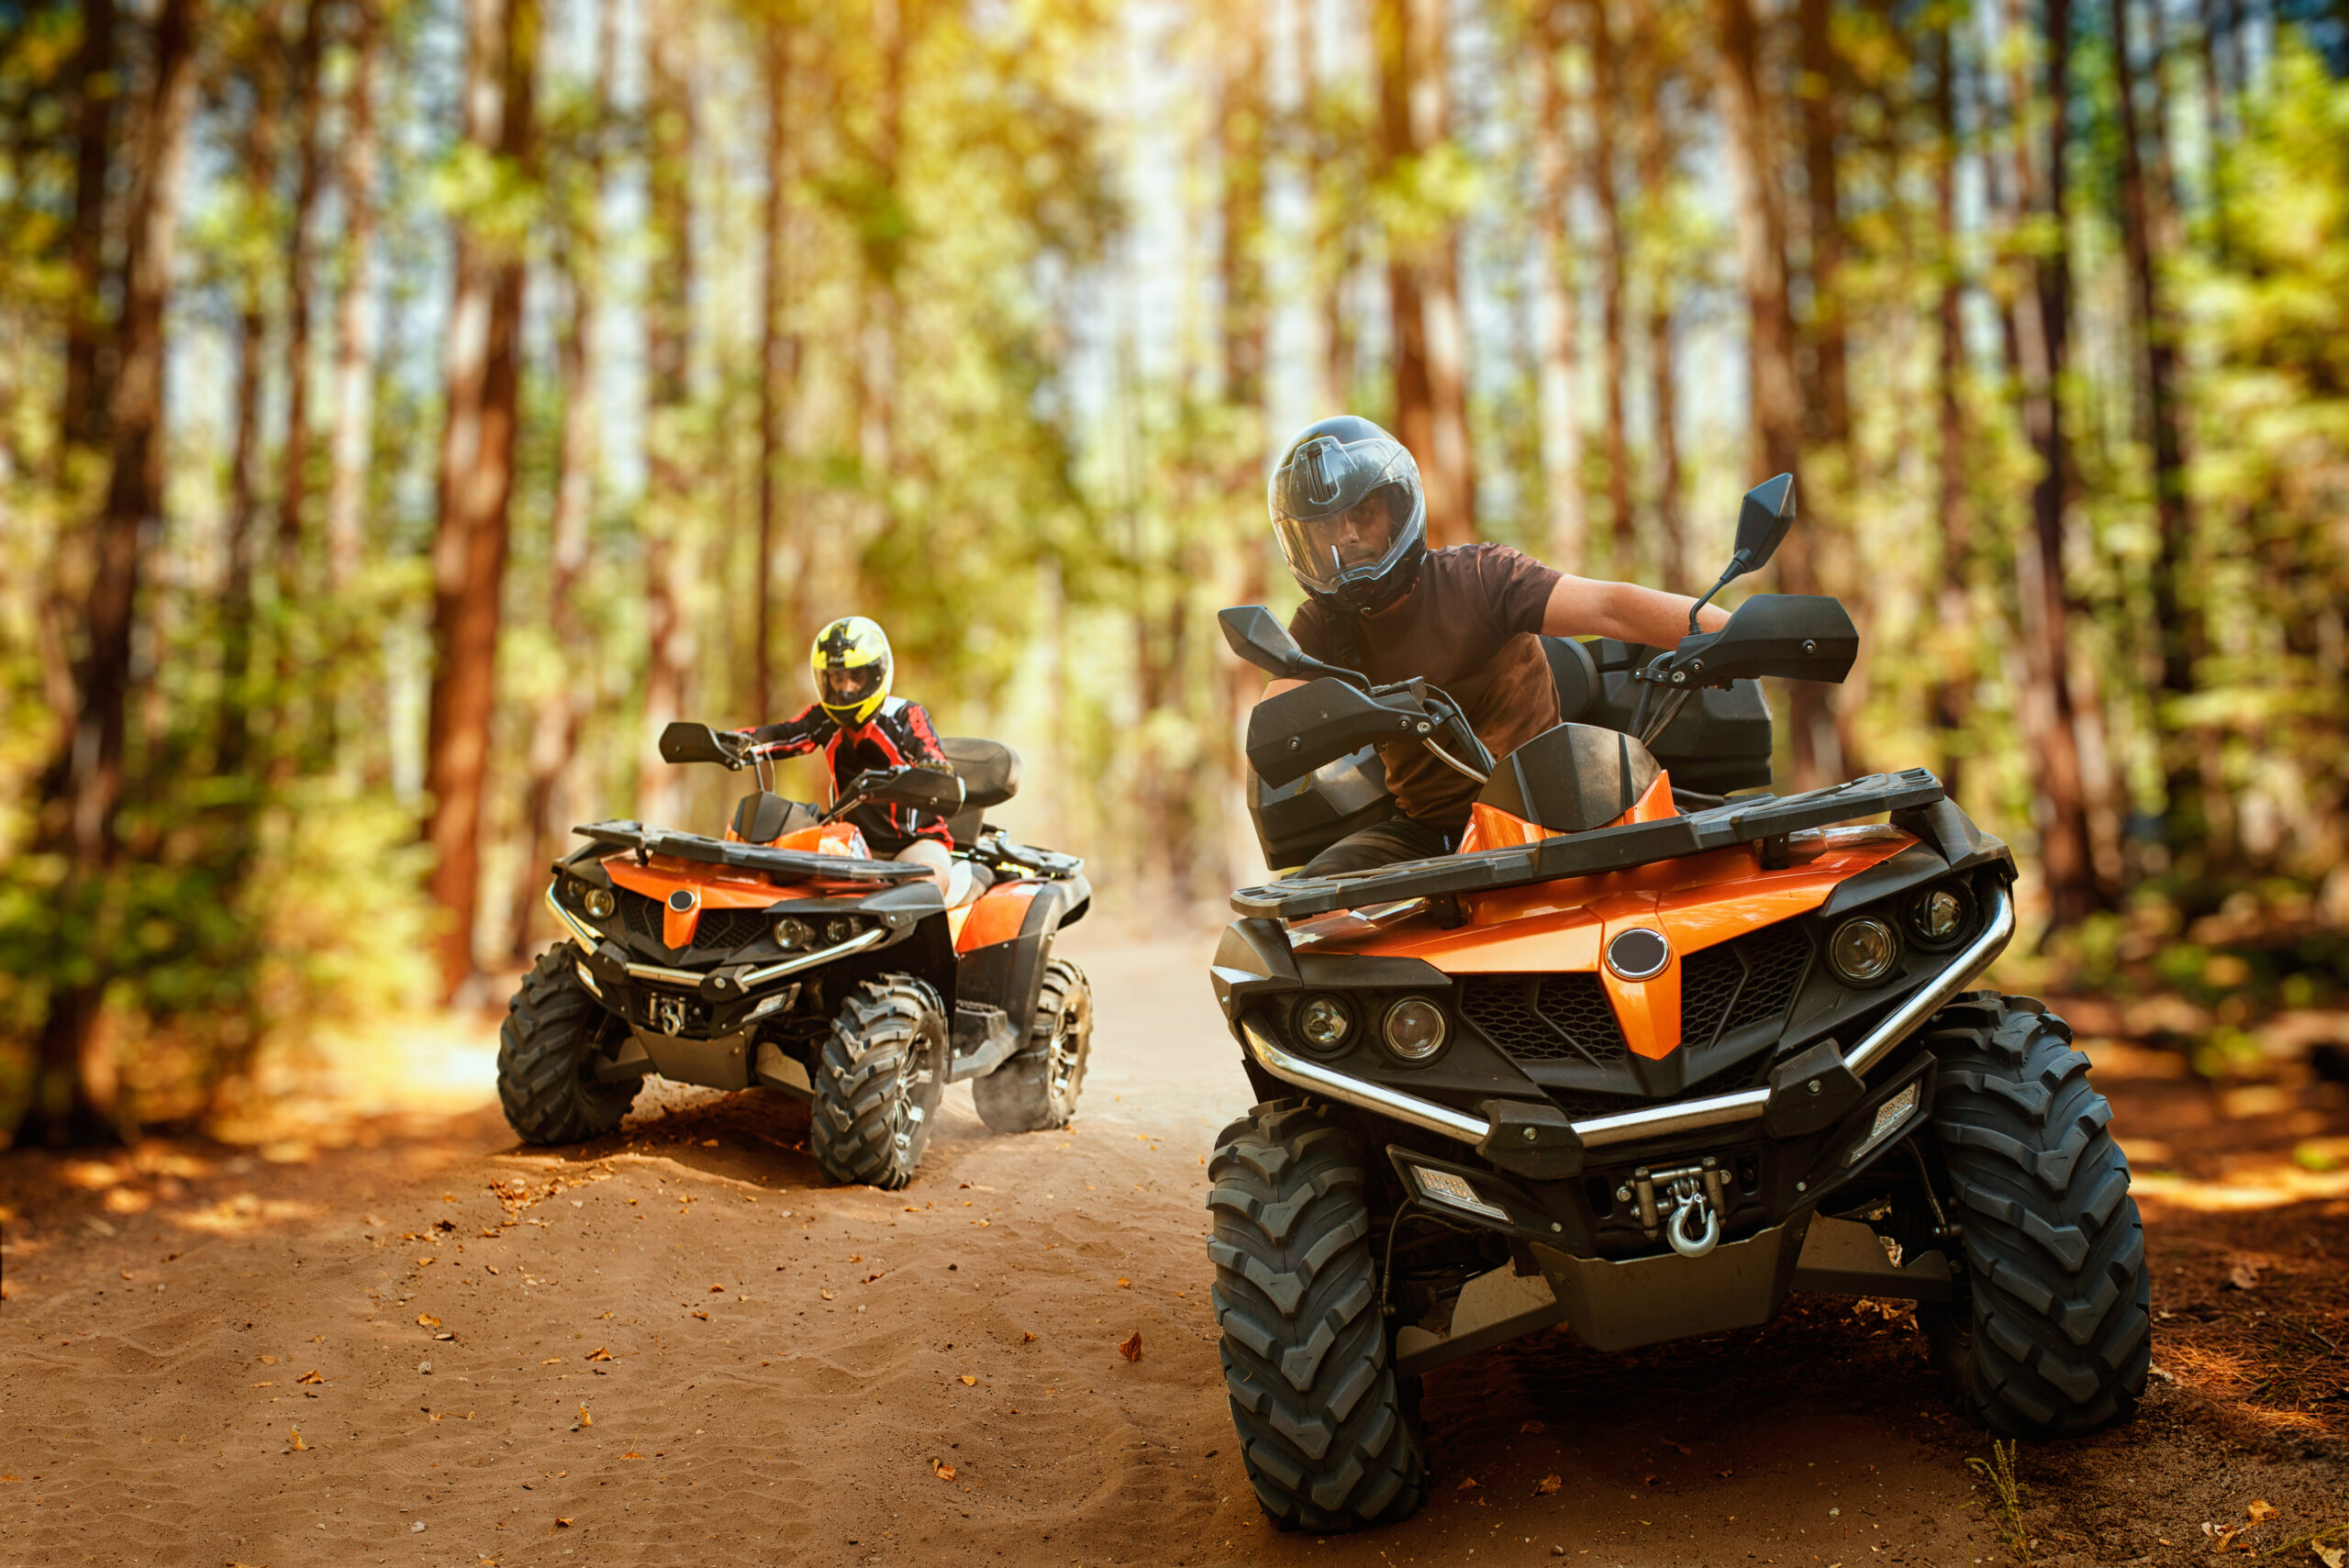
1743	821
795	863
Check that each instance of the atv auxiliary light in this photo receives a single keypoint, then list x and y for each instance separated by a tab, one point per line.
1443	1187
791	935
1415	1028
1324	1022
598	902
1938	916
1890	1118
1862	950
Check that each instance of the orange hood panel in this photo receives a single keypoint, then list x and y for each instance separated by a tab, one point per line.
711	887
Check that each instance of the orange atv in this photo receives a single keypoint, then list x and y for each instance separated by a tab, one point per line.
1640	1062
785	955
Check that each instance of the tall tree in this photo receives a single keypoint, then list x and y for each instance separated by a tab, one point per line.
476	475
2177	623
1606	97
354	336
1656	159
1429	337
81	423
778	372
1952	688
1562	450
1827	398
74	1080
555	728
1773	391
2043	326
668	345
293	485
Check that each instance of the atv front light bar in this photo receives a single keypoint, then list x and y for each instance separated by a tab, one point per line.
1663	1120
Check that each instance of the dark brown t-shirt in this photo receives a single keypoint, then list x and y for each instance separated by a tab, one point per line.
1470	627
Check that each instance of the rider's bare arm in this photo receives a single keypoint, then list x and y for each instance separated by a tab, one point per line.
1580	607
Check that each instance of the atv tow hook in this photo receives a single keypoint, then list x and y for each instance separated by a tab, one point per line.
1691	1214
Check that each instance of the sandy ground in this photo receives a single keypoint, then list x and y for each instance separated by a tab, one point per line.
430	1347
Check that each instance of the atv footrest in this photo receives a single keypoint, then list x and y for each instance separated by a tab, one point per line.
1743	821
984	1039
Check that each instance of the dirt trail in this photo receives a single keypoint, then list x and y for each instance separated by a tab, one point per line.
677	1346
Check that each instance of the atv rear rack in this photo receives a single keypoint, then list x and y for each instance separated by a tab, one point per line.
797	863
1743	821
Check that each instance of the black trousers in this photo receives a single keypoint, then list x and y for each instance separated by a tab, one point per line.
1399	838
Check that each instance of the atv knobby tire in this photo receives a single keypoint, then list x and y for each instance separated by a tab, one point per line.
1325	1427
546	1057
1035	1090
878	1081
2049	1336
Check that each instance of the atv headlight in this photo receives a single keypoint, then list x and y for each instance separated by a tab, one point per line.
791	935
597	901
1323	1022
1414	1029
1862	950
1938	915
838	929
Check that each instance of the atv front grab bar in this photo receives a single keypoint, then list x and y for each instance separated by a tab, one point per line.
1657	1121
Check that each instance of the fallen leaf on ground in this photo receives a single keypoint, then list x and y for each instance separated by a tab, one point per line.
299	1445
585	1418
2244	1277
718	1290
1027	1339
1467	1483
552	1361
944	1471
2330	1556
423	1320
2261	1511
632	1454
1530	1428
269	1360
970	1382
1131	1349
700	1314
561	1524
1124	1283
1682	1447
600	1354
1549	1484
825	1293
491	1267
310	1376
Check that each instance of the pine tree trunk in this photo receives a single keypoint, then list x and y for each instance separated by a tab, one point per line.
233	743
1243	137
293	494
83	414
778	371
1952	689
2051	720
2177	615
1827	398
668	338
73	1077
1655	187
1606	105
1773	392
354	349
1562	452
476	484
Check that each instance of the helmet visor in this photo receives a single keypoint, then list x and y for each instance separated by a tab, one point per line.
847	686
1343	511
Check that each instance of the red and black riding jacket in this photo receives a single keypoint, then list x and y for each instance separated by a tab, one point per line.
899	734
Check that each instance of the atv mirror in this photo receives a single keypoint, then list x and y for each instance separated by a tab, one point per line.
1257	637
683	742
1763	519
920	789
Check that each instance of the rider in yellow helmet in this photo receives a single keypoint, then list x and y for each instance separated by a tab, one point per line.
858	726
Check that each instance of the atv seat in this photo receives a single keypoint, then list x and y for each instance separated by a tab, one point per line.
990	774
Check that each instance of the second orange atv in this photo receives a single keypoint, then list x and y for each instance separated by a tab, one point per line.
784	955
1639	1061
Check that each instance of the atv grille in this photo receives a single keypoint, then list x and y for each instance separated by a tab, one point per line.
1741	983
1544	1017
722	930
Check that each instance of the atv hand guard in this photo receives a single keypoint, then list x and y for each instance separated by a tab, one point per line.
796	865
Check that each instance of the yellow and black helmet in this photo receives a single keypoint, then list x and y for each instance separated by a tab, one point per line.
851	664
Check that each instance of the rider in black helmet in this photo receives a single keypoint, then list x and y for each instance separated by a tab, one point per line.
1350	517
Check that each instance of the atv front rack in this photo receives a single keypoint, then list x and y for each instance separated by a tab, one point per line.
795	863
1743	821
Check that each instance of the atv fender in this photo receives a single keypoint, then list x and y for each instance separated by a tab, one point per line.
1007	938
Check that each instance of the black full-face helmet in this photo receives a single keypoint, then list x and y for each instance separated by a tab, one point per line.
1348	512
